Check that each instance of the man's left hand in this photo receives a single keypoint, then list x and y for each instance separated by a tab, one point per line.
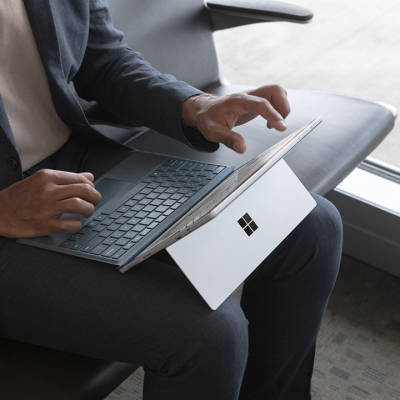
215	117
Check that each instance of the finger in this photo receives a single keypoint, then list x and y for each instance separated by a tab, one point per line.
75	205
276	95
230	139
81	190
62	177
260	106
64	225
88	176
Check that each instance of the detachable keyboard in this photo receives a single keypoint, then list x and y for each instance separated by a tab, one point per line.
142	214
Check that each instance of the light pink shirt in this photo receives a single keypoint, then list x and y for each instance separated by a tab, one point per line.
37	129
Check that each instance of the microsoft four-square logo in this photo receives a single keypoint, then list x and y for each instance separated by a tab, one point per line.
248	225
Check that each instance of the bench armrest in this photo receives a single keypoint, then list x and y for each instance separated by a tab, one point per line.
230	13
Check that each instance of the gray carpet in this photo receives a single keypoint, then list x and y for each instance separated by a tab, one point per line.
358	355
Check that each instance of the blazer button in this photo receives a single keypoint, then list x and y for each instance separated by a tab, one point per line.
12	163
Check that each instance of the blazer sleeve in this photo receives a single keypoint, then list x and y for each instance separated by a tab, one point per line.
122	82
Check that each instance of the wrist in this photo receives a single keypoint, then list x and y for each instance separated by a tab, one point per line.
192	106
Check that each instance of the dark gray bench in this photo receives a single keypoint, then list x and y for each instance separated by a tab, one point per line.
176	36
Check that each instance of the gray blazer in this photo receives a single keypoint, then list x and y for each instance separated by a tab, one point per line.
77	42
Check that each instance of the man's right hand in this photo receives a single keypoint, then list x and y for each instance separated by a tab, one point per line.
33	207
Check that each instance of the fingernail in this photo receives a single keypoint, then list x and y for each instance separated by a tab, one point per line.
236	146
282	124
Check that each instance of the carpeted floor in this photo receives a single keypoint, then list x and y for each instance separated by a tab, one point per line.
358	355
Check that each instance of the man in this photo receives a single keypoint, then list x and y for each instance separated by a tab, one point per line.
150	316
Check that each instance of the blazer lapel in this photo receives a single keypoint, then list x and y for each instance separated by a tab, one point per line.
5	124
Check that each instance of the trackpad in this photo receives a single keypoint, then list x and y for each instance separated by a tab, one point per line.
109	188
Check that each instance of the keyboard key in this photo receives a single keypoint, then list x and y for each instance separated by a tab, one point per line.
136	239
125	228
153	185
130	235
107	221
130	203
138	228
113	227
141	215
99	228
129	214
160	179
167	184
183	199
218	170
189	165
91	224
145	202
134	221
110	251
202	174
162	168
84	230
122	242
179	184
121	220
161	209
176	165
157	202
175	196
161	218
199	167
66	243
98	250
153	225
211	167
119	253
171	190
149	208
105	234
108	241
190	173
175	206
145	191
169	202
152	196
190	194
83	240
166	174
159	190
183	190
123	209
164	196
75	237
128	245
211	176
178	174
144	232
100	217
169	161
137	208
115	215
138	197
146	221
91	245
117	234
154	215
147	180
184	179
190	185
196	180
168	212
155	174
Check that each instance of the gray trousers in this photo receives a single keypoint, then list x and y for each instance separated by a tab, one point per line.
152	316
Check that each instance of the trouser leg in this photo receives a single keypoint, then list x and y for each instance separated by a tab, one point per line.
284	301
150	316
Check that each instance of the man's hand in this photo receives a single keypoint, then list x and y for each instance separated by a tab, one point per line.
33	206
215	117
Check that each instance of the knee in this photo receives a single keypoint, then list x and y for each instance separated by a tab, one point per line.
216	342
323	227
